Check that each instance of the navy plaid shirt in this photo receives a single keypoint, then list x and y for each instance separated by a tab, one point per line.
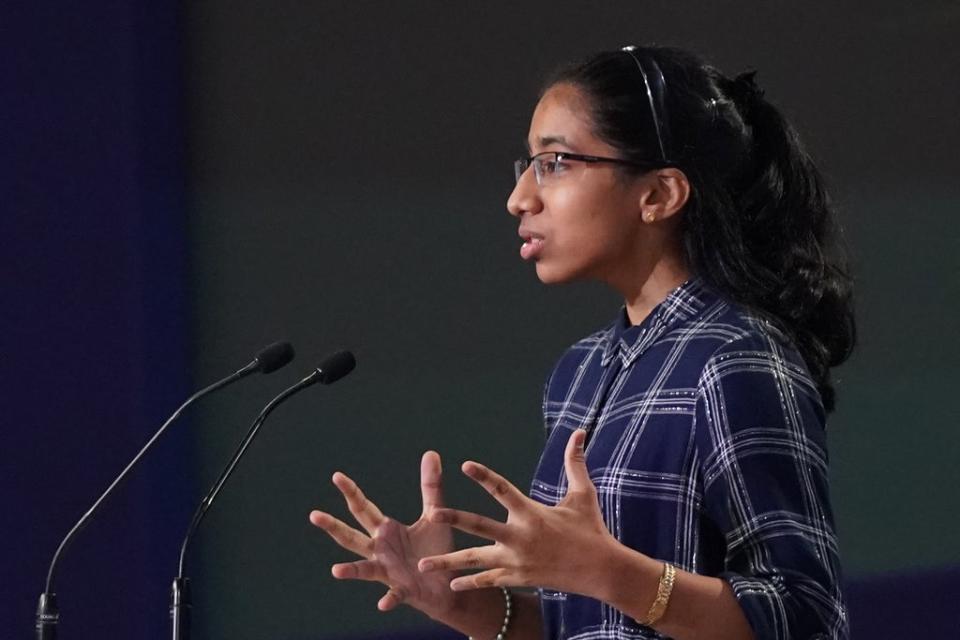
706	444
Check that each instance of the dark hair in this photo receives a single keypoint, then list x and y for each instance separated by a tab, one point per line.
758	227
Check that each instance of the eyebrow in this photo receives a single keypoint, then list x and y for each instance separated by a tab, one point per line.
546	141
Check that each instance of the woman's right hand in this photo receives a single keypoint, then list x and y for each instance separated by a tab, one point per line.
392	550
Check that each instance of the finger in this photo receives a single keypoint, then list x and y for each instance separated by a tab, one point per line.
391	599
431	474
496	485
343	534
366	513
359	570
472	558
482	580
575	462
472	523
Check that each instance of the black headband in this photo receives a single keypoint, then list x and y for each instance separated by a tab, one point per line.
656	88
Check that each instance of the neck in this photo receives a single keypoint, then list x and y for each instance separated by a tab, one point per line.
650	268
640	299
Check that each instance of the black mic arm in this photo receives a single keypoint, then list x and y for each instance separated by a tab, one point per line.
330	370
269	359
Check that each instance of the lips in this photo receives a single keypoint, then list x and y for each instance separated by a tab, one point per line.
532	244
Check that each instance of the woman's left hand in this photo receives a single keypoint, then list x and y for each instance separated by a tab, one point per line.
563	548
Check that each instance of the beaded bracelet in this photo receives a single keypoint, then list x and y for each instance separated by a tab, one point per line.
506	616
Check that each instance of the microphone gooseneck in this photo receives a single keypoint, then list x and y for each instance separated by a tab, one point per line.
331	369
267	360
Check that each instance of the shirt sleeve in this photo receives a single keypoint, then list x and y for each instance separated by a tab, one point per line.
762	451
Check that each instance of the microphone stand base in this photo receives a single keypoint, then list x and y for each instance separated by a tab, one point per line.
48	617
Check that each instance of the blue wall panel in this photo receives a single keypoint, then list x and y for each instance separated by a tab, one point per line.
94	323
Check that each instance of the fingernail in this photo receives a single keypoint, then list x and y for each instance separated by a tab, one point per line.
426	565
456	586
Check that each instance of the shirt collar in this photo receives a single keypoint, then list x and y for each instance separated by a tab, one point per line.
683	303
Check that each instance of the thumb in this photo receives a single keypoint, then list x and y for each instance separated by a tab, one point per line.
430	481
575	462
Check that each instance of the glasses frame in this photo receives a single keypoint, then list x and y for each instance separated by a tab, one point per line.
521	165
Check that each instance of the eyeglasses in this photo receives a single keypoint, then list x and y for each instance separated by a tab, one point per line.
549	166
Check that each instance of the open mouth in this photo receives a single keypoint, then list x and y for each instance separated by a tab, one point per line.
532	245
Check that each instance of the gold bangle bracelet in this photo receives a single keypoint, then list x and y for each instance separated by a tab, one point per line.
659	606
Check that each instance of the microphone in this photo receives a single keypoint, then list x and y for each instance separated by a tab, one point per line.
269	359
331	369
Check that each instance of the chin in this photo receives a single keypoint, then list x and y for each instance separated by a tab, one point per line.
550	274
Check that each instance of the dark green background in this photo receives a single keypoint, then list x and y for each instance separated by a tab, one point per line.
349	165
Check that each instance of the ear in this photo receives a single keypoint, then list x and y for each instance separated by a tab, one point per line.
668	191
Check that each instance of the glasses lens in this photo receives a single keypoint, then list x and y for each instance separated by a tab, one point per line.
545	165
519	166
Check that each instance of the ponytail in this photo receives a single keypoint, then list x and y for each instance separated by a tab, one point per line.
790	233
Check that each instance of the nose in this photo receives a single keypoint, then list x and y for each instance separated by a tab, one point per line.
525	197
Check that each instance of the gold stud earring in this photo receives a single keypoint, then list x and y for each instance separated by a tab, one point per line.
650	217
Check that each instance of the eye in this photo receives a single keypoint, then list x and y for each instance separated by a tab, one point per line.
551	164
561	164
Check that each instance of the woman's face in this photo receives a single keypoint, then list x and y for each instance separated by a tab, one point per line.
584	221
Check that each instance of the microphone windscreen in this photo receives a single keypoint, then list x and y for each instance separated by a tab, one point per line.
274	356
335	366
